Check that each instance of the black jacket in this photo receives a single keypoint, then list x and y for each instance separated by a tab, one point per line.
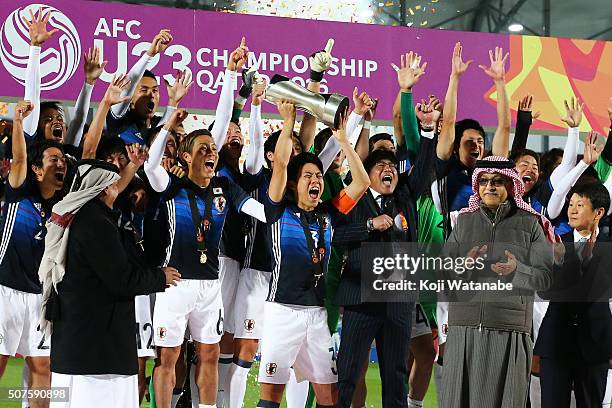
576	327
94	330
352	230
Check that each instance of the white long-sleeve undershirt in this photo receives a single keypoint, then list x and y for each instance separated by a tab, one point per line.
568	161
225	106
255	155
134	75
557	198
74	135
32	90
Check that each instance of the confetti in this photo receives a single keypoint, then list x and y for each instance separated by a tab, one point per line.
410	11
423	23
417	7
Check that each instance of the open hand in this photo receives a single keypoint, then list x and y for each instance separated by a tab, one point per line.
37	27
182	84
115	88
525	105
497	70
573	113
410	70
459	67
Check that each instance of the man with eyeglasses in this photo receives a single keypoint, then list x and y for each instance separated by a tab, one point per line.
488	354
386	213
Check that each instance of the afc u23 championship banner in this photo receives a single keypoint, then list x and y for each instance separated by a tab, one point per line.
551	69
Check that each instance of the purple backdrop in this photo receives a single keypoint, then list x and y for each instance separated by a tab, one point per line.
203	40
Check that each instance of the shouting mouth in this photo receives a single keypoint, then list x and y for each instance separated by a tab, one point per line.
57	131
150	106
313	192
475	153
527	179
59	176
387	179
210	164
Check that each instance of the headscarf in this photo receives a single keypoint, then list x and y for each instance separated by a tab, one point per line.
505	167
92	177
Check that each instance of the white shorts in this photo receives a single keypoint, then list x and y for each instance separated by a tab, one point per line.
92	391
420	324
251	296
193	303
19	322
296	337
229	274
144	326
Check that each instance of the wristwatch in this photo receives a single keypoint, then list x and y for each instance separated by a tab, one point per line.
370	224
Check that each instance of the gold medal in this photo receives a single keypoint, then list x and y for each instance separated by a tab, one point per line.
203	258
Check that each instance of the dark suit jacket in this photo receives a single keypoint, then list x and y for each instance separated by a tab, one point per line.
94	331
574	327
352	231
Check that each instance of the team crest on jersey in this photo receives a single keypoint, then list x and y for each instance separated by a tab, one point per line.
271	369
161	332
219	203
217	190
249	325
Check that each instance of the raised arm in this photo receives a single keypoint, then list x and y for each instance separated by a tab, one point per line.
176	92
444	149
158	45
408	74
362	146
573	118
37	29
319	63
557	198
111	98
361	180
93	69
138	155
524	118
255	155
19	165
282	152
158	176
363	103
497	72
223	114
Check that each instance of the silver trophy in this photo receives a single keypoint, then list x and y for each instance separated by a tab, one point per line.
328	108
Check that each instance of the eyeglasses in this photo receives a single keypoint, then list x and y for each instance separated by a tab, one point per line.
495	182
382	165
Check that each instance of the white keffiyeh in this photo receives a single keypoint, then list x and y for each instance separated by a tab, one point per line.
90	181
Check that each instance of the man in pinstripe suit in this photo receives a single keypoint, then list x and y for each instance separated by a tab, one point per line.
375	219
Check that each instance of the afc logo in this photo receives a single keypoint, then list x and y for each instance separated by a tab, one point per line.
249	325
271	369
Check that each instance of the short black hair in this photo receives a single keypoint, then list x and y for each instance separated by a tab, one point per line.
548	160
377	156
109	146
37	150
149	74
525	152
596	192
232	120
270	145
464	125
44	106
378	137
321	139
294	169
